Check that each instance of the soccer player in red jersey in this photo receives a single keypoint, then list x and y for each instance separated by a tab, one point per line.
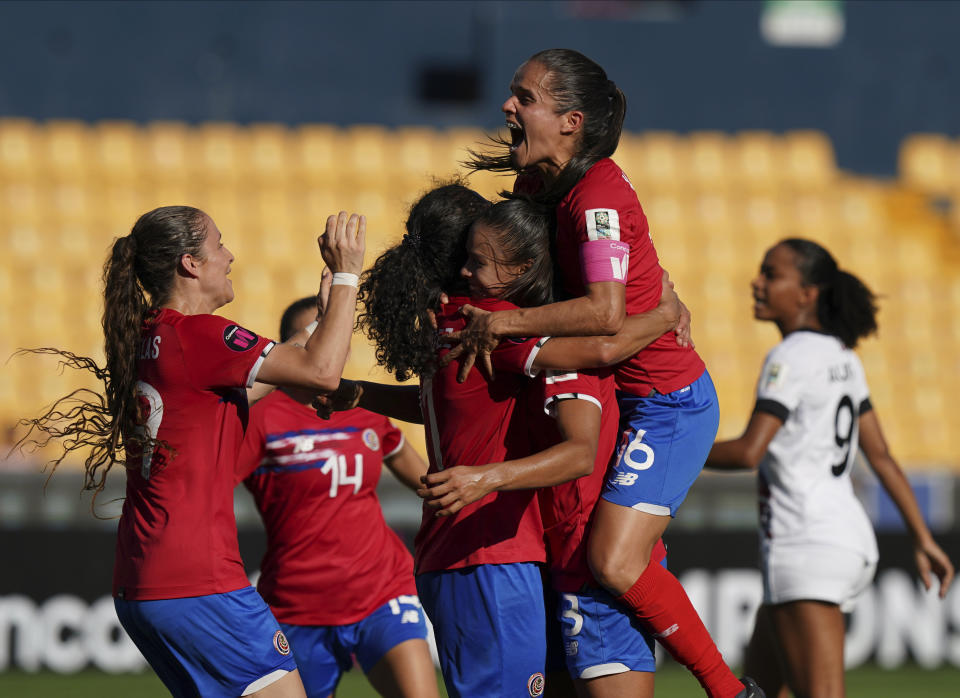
336	577
565	117
173	414
463	428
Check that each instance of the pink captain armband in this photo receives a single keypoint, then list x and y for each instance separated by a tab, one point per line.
604	260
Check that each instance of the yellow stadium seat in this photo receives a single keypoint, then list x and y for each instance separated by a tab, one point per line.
366	157
119	151
72	201
763	219
809	160
19	149
926	163
67	150
809	214
417	154
219	155
169	151
710	164
269	153
758	156
317	154
454	145
659	161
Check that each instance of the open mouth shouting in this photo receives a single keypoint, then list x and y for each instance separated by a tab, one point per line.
516	135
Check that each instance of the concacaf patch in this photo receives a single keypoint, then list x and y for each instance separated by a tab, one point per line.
371	439
237	338
535	685
773	377
280	643
603	224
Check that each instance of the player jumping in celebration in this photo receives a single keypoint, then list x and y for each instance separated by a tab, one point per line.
818	549
336	593
173	414
565	118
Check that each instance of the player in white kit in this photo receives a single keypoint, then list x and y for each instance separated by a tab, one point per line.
813	411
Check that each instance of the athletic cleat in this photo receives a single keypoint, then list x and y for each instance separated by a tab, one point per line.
750	689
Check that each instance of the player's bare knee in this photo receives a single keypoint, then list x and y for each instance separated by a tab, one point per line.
616	570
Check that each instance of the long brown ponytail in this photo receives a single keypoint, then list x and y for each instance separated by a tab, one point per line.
137	276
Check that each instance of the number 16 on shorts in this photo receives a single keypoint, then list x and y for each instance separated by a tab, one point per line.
634	454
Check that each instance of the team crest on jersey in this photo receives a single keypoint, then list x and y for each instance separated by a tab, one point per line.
238	339
774	376
603	224
371	439
280	643
535	685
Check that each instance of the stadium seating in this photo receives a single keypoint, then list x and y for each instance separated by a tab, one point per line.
715	203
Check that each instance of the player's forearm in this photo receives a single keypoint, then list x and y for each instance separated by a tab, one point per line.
898	487
407	466
564	462
327	347
395	401
637	332
733	455
575	317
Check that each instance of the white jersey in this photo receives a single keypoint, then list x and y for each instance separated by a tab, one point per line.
817	387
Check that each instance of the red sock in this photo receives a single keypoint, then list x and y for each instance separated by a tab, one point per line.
660	602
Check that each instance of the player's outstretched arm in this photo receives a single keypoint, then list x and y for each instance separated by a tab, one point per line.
745	452
319	363
407	465
929	556
451	489
394	401
600	312
601	351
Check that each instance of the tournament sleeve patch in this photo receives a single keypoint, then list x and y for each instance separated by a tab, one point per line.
772	407
603	224
238	339
604	260
773	377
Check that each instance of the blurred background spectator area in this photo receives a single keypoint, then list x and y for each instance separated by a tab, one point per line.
715	201
746	122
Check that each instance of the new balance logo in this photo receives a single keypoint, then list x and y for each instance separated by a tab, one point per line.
668	632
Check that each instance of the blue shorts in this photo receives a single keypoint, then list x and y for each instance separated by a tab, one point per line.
489	622
600	637
323	653
217	645
665	440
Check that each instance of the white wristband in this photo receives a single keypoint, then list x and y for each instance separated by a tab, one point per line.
345	278
311	327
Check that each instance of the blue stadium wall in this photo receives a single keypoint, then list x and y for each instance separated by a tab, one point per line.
683	65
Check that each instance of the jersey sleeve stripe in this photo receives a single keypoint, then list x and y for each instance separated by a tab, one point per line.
550	406
865	406
255	369
403	440
772	407
528	368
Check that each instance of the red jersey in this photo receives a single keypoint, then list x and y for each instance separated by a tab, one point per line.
603	206
567	509
177	535
475	423
331	558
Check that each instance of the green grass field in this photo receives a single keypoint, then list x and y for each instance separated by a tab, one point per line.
865	682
